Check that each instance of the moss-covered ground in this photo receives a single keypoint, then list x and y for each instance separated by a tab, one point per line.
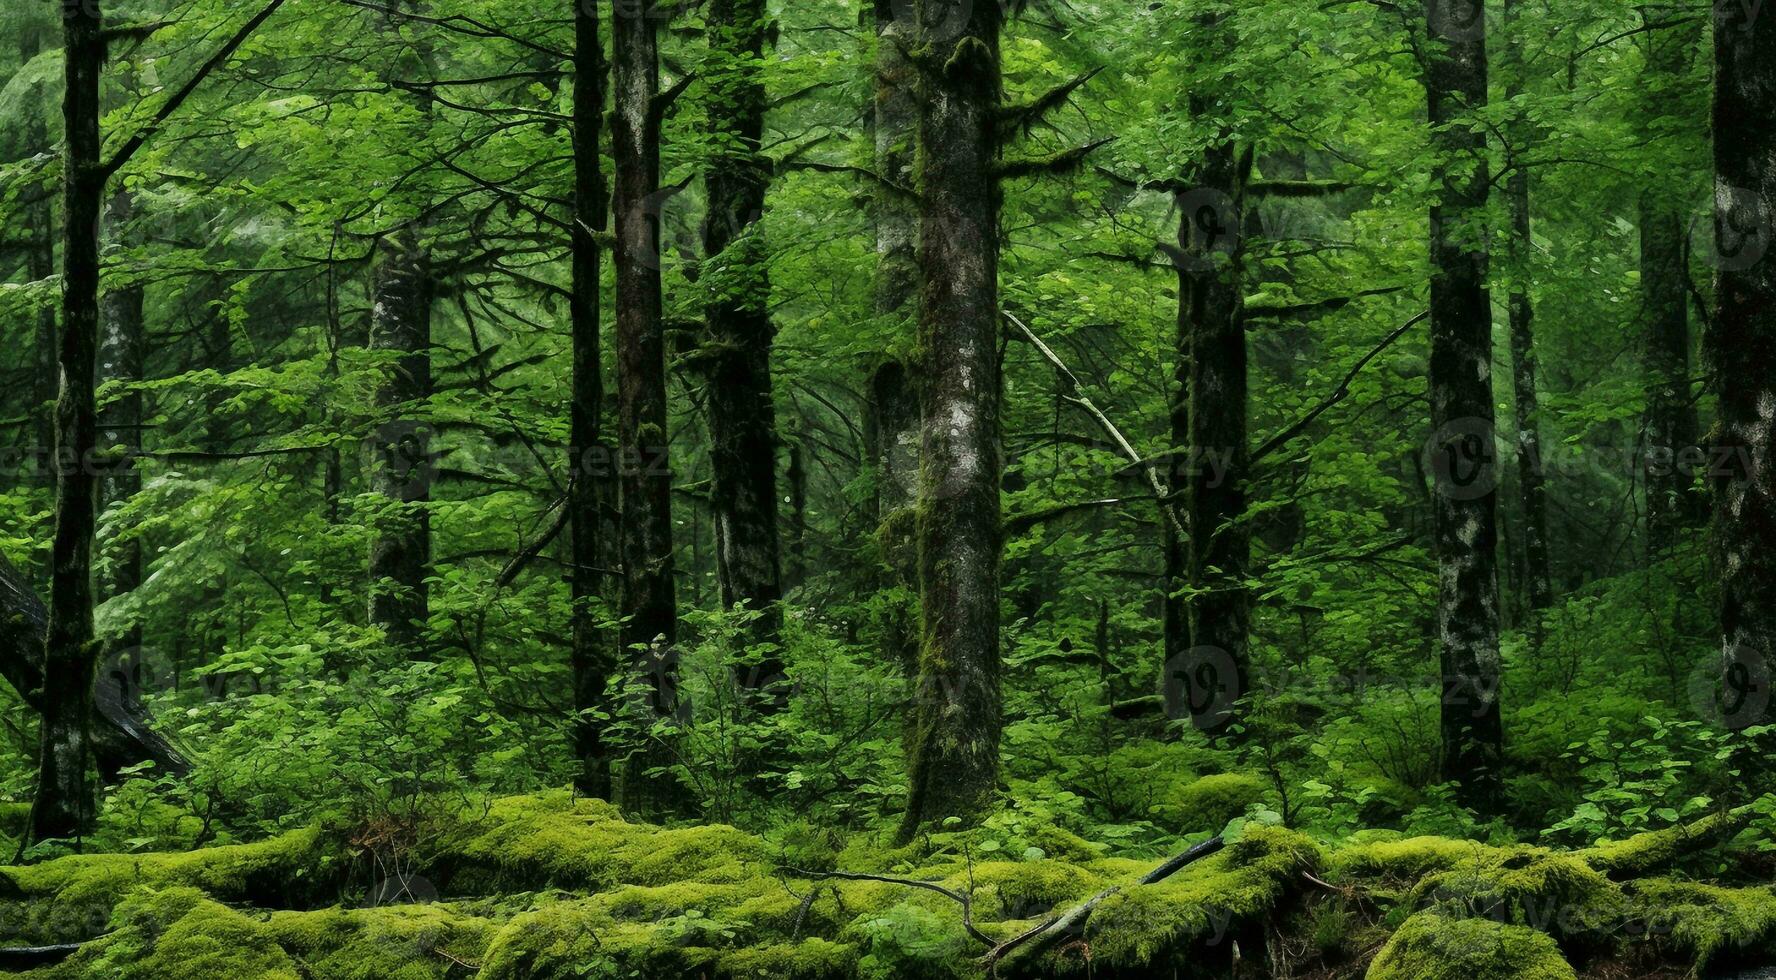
553	887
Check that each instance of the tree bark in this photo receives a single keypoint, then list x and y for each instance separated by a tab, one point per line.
589	470
64	805
121	355
954	759
401	463
39	266
649	603
1742	354
401	468
1464	456
737	358
1211	472
1538	582
1674	503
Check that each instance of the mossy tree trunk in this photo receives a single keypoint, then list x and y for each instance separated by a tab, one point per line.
1742	354
649	602
954	757
1673	501
736	359
589	457
1464	456
893	401
1532	487
64	803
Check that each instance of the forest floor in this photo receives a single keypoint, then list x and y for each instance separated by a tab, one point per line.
552	887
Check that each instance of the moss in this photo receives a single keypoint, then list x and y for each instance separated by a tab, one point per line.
71	898
1206	805
178	932
1203	905
1529	886
526	843
1402	860
1705	923
1430	946
396	942
1663	848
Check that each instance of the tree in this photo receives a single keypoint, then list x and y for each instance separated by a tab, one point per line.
1463	456
589	458
954	757
892	428
401	465
64	805
121	355
1671	431
736	359
649	602
1742	355
1531	484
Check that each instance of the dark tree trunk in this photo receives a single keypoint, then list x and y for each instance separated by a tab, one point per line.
1464	454
121	355
1674	502
1671	436
1211	472
1742	354
737	359
401	467
64	804
40	265
401	464
589	458
954	758
649	603
1538	583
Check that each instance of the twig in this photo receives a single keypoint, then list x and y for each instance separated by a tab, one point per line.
956	896
1070	391
1339	394
1049	931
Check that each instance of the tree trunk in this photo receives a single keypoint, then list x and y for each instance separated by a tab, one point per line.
401	463
737	358
894	428
1674	503
1538	582
954	760
1211	473
1463	452
39	266
121	355
649	604
1742	353
64	805
401	456
589	458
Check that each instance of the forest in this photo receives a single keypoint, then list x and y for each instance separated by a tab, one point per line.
887	489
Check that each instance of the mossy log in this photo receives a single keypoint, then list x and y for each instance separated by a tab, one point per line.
554	887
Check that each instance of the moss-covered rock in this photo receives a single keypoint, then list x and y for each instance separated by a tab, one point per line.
1430	946
1206	805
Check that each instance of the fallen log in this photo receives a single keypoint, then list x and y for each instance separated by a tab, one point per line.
1071	922
122	733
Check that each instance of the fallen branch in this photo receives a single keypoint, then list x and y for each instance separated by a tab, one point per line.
1070	390
1047	933
931	886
